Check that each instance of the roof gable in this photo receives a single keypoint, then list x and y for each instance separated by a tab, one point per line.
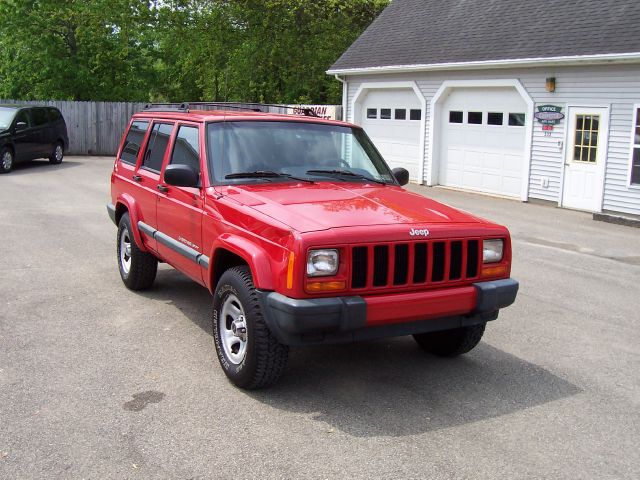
429	32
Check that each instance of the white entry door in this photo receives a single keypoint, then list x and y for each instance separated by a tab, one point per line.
585	158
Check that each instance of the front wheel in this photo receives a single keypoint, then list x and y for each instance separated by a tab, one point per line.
57	154
250	356
451	343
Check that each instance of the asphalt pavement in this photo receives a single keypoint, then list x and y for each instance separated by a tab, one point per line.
100	382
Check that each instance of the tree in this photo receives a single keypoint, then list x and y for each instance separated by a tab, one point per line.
177	50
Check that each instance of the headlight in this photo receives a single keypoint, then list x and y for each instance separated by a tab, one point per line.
492	250
321	263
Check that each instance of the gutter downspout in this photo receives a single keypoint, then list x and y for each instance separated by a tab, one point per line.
344	97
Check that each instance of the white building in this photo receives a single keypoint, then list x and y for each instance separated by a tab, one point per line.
529	100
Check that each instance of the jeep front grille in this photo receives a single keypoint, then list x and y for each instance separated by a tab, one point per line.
414	264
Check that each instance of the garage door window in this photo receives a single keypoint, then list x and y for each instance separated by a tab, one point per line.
372	113
385	113
474	118
400	114
415	114
517	119
495	118
455	116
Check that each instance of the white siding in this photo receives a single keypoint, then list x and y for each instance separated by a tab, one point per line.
615	86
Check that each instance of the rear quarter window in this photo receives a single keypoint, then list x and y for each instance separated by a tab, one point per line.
39	116
54	114
133	142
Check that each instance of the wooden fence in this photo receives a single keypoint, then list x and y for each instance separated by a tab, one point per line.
96	128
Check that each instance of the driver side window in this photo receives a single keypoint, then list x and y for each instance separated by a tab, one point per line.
23	117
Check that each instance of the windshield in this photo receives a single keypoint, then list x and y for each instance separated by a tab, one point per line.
263	151
6	117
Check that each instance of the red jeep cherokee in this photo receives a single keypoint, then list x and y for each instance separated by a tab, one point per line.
303	235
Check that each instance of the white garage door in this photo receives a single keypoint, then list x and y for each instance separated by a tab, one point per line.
483	140
392	119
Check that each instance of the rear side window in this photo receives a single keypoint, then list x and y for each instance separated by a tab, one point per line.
39	116
133	142
157	146
54	114
186	150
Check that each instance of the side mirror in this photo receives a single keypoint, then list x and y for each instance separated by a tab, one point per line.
401	174
181	176
21	126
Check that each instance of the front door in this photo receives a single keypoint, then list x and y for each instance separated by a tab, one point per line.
180	208
585	158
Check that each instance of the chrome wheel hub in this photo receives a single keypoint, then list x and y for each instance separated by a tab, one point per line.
58	153
125	251
232	327
7	160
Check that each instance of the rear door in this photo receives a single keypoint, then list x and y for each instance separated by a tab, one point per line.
148	176
41	132
180	208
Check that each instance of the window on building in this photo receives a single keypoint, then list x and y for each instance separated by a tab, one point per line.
133	142
186	150
415	114
372	113
585	147
157	146
400	114
385	113
517	119
455	116
495	118
635	159
474	118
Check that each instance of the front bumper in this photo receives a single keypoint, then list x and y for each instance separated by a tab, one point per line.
354	318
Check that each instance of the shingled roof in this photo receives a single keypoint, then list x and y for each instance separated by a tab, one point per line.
431	32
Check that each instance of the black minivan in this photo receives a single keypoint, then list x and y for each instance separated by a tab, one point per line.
27	133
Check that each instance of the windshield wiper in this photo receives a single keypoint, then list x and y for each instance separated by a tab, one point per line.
266	174
345	173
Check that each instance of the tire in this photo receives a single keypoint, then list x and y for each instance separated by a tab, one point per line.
6	160
250	356
451	343
57	154
137	268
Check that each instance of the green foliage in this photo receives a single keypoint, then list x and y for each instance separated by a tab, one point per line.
177	50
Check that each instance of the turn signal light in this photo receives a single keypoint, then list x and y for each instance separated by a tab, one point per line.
326	286
495	271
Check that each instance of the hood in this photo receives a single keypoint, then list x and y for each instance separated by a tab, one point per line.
324	205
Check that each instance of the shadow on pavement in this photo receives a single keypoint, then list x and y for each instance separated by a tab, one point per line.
388	387
24	168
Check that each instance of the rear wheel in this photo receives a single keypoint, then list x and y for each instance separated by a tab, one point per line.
137	268
451	343
6	160
57	154
250	356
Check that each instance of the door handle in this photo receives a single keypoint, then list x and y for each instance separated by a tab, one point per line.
162	188
137	178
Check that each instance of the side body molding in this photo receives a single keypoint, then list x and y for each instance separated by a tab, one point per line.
175	245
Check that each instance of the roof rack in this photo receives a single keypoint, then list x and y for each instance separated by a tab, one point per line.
252	107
